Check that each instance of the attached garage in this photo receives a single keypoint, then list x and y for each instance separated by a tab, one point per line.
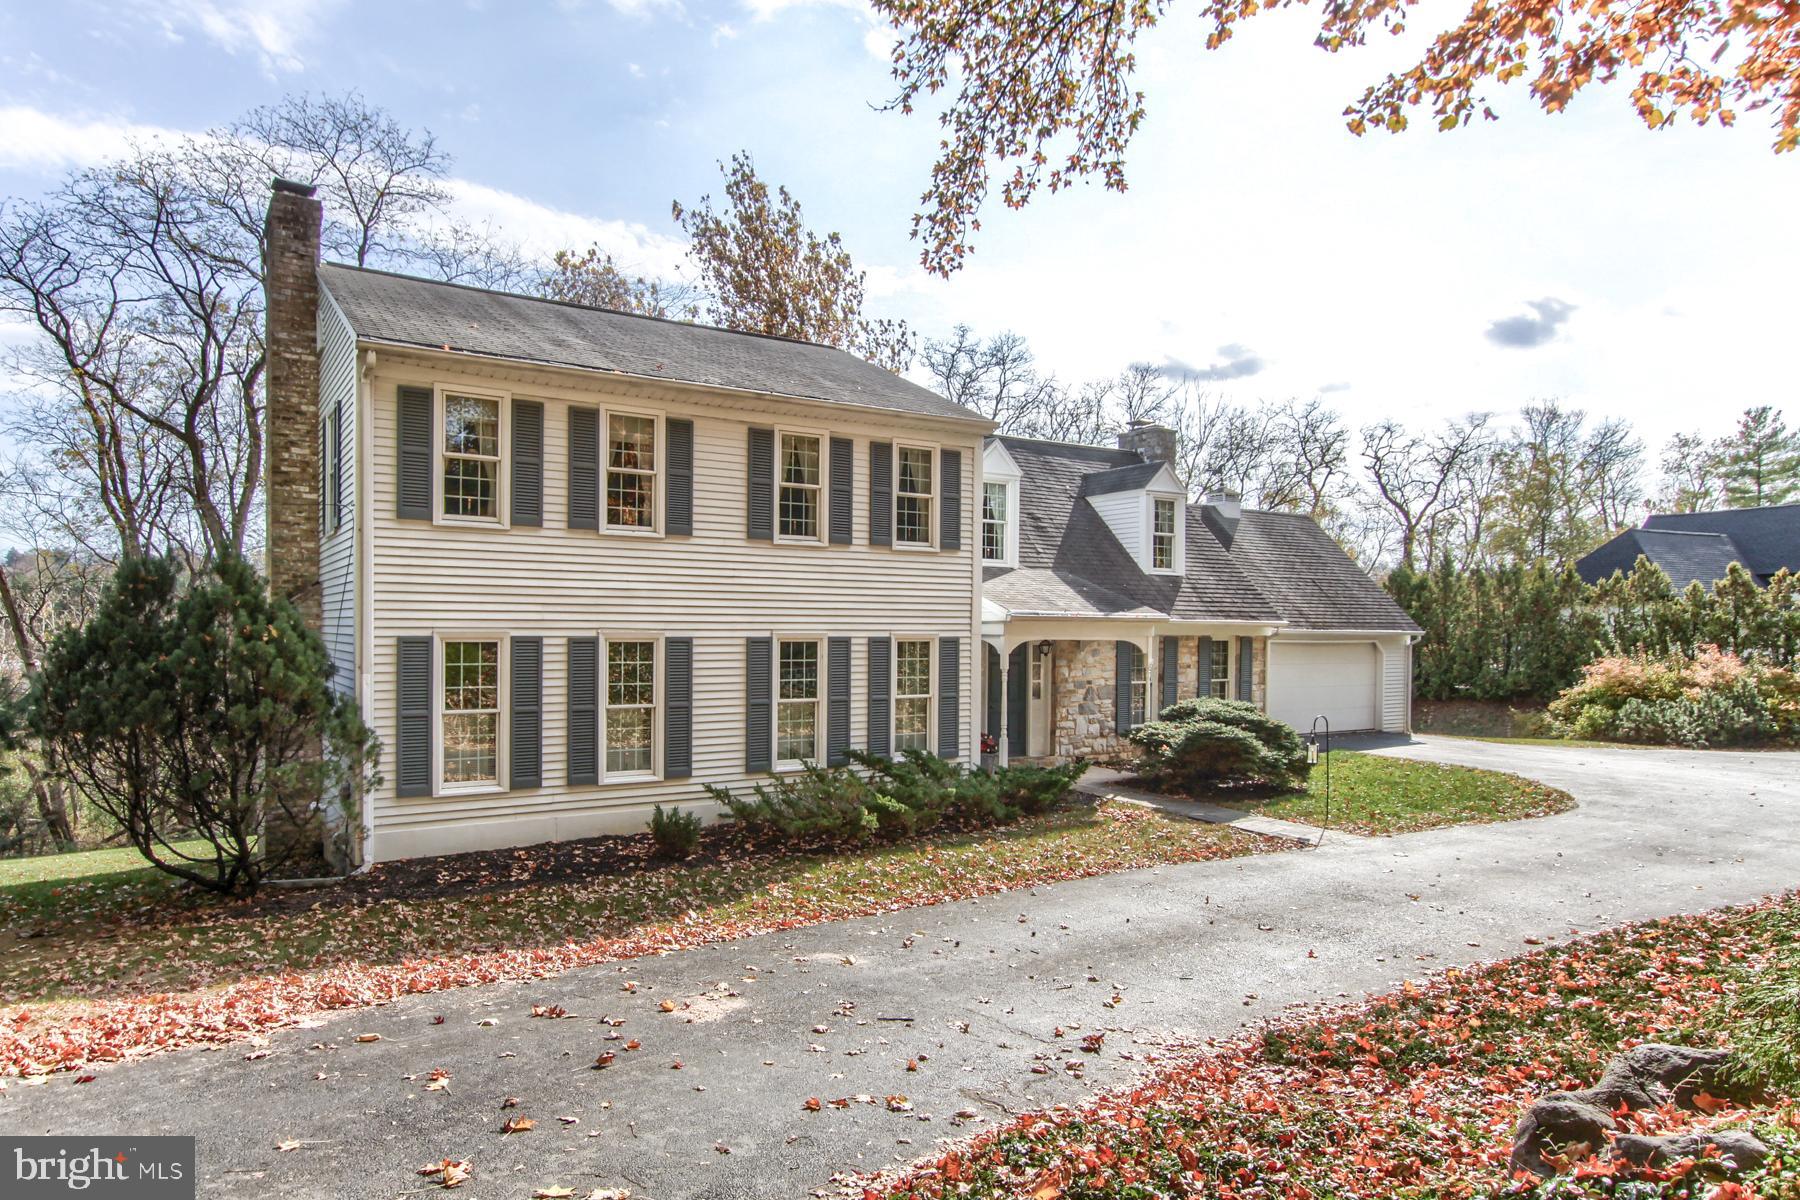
1341	680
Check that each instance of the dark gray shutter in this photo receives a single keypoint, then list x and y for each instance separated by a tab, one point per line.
843	479
412	745
881	703
881	493
1122	689
1246	665
1205	667
949	698
324	476
837	701
1018	695
949	499
584	468
760	504
337	464
526	742
990	670
527	463
678	707
1171	669
679	433
759	728
413	482
584	711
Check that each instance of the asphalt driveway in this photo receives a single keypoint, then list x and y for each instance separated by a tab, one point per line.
969	994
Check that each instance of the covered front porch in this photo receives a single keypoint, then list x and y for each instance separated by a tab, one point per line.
1062	688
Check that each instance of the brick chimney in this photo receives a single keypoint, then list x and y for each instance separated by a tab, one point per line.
1152	442
291	454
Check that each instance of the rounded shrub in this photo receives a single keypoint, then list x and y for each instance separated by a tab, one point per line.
1203	744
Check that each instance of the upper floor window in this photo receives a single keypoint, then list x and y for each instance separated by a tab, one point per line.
630	728
797	510
912	695
1162	535
993	521
797	706
472	457
630	471
913	497
1221	668
469	718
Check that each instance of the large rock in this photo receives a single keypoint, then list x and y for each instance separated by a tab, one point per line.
1739	1151
1647	1076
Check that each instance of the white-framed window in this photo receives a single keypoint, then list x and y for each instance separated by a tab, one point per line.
470	704
797	702
995	505
630	463
1221	668
628	717
799	487
915	480
912	694
1139	685
1162	533
471	436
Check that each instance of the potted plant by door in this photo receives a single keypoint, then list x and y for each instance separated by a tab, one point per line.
990	752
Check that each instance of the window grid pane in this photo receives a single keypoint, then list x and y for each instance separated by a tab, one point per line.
799	511
470	487
630	706
912	695
912	724
797	714
1140	686
472	426
471	720
1221	669
912	498
993	520
1162	542
630	472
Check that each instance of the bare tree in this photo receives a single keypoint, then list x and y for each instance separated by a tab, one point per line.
594	278
1415	476
1693	475
475	256
998	377
1611	474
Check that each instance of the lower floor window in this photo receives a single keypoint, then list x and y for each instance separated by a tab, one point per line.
1221	669
912	695
797	709
1139	685
630	707
471	712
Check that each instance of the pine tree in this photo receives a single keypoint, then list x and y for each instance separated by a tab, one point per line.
1760	462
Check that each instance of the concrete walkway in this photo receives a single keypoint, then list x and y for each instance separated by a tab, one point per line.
971	993
1104	783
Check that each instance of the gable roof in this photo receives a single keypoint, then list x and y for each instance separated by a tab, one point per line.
1131	478
1685	556
1279	569
1767	539
407	311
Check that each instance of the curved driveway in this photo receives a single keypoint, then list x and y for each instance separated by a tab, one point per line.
970	992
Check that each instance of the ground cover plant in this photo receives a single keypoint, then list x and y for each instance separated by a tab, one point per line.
1377	795
1416	1094
1713	698
99	961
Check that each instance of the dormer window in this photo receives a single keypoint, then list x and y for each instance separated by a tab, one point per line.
1162	535
999	506
993	521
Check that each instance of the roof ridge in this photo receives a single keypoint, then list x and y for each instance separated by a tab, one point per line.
1015	437
1721	512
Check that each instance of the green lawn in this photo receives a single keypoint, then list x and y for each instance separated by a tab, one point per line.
40	890
1373	794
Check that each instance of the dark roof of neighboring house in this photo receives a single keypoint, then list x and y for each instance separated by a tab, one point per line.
1700	546
401	309
1279	567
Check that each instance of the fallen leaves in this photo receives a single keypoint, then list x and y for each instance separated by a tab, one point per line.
451	1172
518	1125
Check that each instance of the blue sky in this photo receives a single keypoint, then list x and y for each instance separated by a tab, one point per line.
1419	276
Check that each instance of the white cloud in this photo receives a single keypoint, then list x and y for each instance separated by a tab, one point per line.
646	8
31	140
768	10
276	30
541	230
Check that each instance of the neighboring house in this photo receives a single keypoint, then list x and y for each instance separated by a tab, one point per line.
1699	547
572	563
1108	595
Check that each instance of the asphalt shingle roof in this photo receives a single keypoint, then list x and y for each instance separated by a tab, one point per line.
1767	539
1119	479
401	309
1278	568
1684	555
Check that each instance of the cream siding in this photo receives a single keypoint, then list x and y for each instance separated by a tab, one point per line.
717	586
337	549
1396	685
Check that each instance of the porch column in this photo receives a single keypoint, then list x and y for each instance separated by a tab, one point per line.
1004	704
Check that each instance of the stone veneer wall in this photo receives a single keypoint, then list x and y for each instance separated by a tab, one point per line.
1085	689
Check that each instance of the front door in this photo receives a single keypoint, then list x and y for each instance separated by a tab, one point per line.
1037	704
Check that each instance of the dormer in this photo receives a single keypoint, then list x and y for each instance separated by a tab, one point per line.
1145	506
999	538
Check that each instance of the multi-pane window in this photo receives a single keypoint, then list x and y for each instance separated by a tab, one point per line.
993	521
912	695
472	457
471	714
1221	668
1139	685
630	706
912	497
630	471
797	706
1162	536
798	510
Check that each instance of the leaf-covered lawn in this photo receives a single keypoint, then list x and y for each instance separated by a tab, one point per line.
1372	794
1414	1095
99	963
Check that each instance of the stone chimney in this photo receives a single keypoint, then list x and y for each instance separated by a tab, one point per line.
1221	511
1153	442
291	453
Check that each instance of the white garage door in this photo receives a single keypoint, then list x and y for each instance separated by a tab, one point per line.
1337	679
